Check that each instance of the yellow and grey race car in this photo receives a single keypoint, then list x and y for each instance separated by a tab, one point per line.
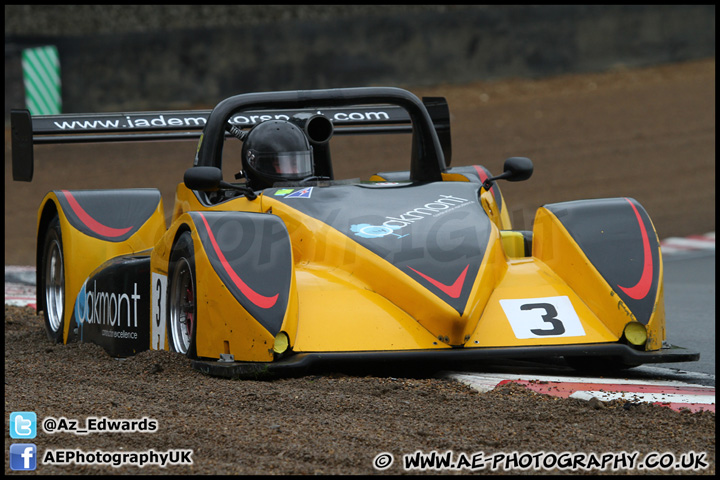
289	267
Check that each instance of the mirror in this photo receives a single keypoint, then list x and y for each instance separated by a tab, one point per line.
203	178
517	169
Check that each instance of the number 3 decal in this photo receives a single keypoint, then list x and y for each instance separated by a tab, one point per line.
549	317
159	301
543	317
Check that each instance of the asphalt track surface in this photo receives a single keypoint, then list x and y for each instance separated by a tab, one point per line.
690	306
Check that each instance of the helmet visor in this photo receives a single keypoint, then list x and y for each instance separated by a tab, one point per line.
290	165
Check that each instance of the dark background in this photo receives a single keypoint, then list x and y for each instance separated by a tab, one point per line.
144	57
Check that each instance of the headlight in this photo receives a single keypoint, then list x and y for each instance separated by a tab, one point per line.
281	343
635	333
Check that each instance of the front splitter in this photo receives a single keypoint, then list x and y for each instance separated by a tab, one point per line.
299	364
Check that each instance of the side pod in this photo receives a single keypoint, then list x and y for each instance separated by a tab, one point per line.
97	225
113	305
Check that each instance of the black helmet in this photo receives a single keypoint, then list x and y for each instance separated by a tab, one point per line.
276	151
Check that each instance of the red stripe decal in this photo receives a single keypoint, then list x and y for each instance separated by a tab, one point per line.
483	176
453	290
90	222
641	289
259	300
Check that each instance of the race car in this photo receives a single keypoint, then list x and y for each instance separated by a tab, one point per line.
288	267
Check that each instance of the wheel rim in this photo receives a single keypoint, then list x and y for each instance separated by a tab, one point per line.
54	286
182	306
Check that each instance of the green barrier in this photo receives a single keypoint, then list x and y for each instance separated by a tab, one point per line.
41	75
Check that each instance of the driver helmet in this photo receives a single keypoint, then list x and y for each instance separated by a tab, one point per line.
276	151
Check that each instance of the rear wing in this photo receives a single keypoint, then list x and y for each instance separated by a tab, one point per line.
28	130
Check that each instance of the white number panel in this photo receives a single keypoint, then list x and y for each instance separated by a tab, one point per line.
157	317
543	317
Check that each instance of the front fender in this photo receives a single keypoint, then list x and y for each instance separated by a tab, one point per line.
245	282
96	226
606	250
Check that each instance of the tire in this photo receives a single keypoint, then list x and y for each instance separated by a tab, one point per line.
52	281
182	290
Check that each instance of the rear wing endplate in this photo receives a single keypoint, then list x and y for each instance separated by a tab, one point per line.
28	130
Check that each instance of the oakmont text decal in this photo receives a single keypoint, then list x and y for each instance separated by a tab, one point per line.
107	308
393	224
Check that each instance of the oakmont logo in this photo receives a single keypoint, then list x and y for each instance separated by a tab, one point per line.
106	308
393	225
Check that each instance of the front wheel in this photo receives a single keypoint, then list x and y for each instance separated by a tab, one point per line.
182	321
52	281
